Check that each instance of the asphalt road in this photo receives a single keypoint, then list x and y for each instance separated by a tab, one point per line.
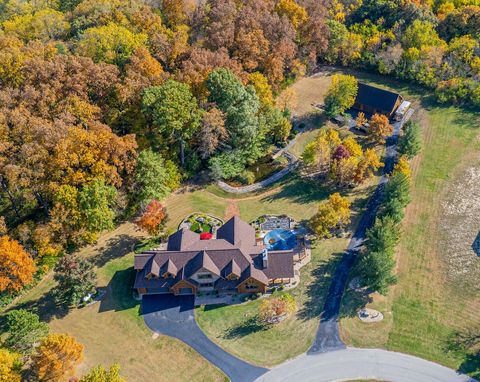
352	364
173	316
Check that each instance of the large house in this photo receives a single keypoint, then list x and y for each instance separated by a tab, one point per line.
232	262
373	100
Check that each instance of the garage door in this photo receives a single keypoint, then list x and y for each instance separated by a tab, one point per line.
185	291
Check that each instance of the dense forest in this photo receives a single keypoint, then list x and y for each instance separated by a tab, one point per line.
108	105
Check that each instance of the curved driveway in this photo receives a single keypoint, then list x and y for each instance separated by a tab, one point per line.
173	316
352	364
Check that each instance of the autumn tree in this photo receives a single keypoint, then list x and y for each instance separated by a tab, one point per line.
262	88
332	213
200	62
368	164
273	309
341	94
361	120
24	330
174	112
155	178
100	374
212	134
109	43
152	218
10	366
403	167
75	277
44	24
56	357
379	128
295	12
16	265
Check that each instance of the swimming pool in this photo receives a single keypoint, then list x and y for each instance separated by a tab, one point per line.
280	240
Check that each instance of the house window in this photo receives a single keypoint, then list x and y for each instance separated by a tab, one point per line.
232	277
251	286
167	275
206	285
205	276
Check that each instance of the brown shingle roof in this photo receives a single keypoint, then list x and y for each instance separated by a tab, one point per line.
237	232
233	252
182	240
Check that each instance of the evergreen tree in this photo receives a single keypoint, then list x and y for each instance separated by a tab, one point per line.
410	143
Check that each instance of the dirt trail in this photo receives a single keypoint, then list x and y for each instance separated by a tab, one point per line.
231	210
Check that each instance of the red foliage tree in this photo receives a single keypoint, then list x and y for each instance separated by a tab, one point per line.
341	153
152	218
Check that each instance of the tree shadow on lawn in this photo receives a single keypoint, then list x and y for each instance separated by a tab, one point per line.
317	291
300	190
466	342
115	247
252	325
45	307
119	292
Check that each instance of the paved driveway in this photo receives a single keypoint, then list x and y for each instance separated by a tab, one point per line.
173	316
353	364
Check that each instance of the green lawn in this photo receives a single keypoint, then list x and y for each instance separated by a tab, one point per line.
236	329
423	311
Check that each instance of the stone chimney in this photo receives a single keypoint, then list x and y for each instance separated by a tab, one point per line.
265	258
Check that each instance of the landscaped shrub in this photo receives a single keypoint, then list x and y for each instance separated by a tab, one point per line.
275	309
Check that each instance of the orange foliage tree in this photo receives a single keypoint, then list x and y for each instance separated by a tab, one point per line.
380	128
152	218
16	265
56	356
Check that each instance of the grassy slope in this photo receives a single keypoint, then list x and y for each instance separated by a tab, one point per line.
422	311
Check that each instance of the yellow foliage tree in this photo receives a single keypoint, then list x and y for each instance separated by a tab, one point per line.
333	213
380	128
287	100
16	266
100	374
295	13
369	163
352	147
46	24
272	310
10	366
262	87
360	120
343	170
403	167
56	356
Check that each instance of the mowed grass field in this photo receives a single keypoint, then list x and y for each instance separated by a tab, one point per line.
424	310
113	330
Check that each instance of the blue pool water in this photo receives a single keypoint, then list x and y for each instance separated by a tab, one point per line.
280	240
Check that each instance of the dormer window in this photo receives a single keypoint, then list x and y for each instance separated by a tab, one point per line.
168	275
232	276
204	276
